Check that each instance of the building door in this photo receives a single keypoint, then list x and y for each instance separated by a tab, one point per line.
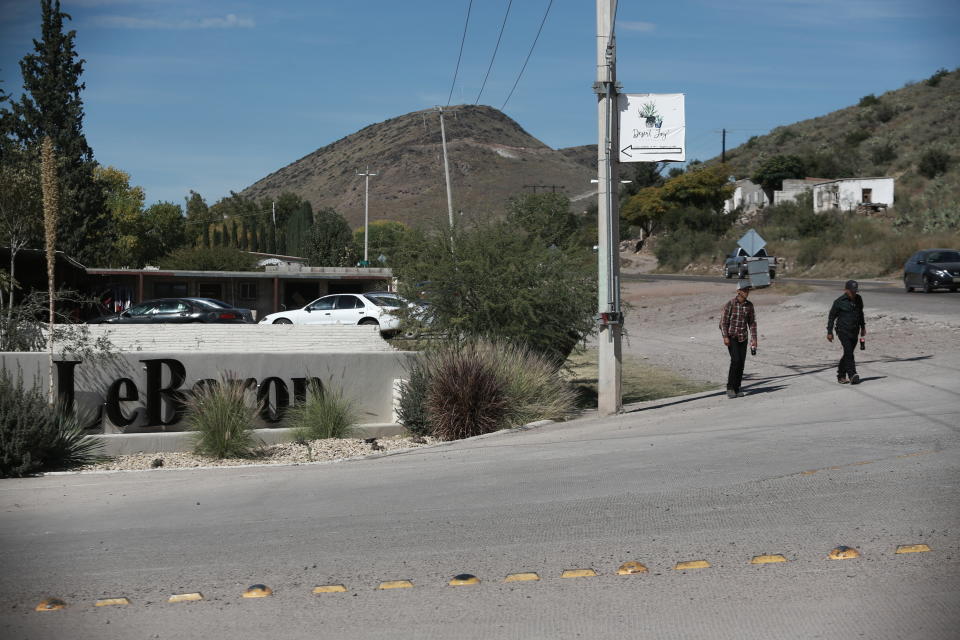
866	196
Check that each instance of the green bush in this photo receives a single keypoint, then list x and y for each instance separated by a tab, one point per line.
683	246
412	408
883	153
934	80
868	100
323	414
933	163
221	419
34	436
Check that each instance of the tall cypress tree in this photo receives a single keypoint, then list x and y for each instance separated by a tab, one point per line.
51	106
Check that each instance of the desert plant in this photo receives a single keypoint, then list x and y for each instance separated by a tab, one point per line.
934	80
466	396
221	419
35	436
868	100
883	153
933	163
324	413
412	408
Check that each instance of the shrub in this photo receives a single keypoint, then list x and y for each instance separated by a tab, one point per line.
323	414
883	153
868	100
934	80
466	396
35	436
933	163
812	251
856	136
683	246
885	112
412	408
221	419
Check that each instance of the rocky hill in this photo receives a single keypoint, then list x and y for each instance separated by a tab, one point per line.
491	159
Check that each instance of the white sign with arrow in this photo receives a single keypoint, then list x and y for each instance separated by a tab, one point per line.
652	127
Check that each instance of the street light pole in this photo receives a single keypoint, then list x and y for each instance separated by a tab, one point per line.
610	317
366	211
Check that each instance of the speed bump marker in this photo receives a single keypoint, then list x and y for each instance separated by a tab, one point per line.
843	553
912	548
107	602
522	577
768	558
692	564
50	604
185	597
330	588
630	568
579	573
396	584
463	579
258	591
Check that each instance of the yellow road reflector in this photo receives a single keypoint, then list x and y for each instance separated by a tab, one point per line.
692	564
630	568
522	577
330	588
185	597
396	584
578	573
50	604
107	602
912	548
768	558
464	579
843	553
258	591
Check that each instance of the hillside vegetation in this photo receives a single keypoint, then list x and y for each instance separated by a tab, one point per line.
491	159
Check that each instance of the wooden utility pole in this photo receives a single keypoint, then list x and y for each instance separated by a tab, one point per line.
609	400
723	147
446	167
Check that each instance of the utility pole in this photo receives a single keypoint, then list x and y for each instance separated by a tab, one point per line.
366	211
723	147
610	317
446	168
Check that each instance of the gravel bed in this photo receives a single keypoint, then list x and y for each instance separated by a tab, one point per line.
327	450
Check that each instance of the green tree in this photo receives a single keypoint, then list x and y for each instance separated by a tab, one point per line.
294	237
330	242
208	259
51	106
704	188
771	173
199	219
164	230
386	237
125	204
933	162
492	280
545	216
21	210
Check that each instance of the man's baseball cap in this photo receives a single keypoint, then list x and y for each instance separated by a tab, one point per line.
851	285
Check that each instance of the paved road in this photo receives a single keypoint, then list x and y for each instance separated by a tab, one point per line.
797	468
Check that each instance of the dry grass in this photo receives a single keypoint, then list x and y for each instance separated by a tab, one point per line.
641	381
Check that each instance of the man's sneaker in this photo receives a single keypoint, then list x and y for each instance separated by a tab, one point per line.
855	379
740	394
731	393
843	380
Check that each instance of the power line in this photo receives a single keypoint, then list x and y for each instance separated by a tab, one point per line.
463	39
495	49
530	53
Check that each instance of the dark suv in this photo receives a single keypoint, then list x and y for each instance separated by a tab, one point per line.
178	310
932	269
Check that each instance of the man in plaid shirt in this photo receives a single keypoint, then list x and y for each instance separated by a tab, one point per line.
737	319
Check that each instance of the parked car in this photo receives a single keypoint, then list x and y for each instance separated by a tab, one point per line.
376	307
932	269
178	311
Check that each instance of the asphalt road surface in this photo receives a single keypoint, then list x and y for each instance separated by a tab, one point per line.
798	468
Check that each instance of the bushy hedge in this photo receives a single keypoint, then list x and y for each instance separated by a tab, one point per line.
324	413
35	436
459	390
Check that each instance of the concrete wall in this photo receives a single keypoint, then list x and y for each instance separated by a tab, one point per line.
140	386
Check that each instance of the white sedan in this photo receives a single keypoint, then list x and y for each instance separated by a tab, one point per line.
345	308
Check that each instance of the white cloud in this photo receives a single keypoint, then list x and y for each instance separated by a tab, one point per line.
230	21
628	25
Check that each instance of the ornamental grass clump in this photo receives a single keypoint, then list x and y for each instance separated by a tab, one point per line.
466	396
36	437
324	413
221	419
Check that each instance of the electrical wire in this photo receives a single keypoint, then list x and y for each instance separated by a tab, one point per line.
530	53
463	39
495	49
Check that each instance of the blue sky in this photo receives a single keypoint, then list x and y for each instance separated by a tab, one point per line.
212	95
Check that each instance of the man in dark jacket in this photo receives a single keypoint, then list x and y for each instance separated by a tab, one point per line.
738	321
847	314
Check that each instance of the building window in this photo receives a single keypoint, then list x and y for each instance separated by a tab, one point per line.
248	290
866	195
170	289
210	290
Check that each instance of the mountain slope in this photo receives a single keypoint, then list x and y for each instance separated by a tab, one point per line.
491	159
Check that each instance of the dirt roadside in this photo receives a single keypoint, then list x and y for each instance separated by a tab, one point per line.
674	325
